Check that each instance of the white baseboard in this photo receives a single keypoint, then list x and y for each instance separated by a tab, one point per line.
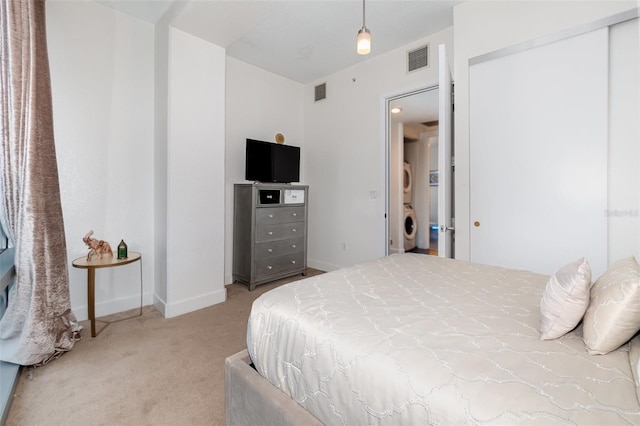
159	304
322	266
185	306
167	310
113	306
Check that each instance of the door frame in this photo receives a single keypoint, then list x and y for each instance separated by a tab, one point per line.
387	154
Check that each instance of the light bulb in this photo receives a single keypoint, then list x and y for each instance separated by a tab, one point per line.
364	41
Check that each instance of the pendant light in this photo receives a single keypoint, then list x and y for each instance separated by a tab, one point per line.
364	37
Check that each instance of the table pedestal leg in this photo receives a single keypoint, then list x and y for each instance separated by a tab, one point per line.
91	282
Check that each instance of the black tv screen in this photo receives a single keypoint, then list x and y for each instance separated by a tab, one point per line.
270	162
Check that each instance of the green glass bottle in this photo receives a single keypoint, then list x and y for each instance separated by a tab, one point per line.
122	250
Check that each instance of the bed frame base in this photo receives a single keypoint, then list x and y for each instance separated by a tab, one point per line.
251	400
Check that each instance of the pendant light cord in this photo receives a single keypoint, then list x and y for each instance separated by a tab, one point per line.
363	16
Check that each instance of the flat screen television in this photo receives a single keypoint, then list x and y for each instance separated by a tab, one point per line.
269	162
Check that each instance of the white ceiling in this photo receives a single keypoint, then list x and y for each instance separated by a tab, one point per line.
302	40
415	110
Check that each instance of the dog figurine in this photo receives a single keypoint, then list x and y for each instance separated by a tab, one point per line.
96	246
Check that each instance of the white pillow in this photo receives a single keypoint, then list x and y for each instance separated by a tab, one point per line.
613	316
565	299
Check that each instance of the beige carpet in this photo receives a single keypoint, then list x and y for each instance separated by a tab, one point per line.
143	371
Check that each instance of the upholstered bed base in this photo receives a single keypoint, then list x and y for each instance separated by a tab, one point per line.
252	400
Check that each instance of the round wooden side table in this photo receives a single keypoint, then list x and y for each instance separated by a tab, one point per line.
106	262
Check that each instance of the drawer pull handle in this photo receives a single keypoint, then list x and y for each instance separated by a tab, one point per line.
271	216
293	230
293	261
270	232
294	214
293	246
270	250
269	267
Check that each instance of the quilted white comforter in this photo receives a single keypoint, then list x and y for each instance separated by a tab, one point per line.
416	339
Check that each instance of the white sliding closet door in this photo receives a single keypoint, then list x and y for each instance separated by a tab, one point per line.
538	155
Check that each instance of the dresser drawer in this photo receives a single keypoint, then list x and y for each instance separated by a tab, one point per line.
279	232
269	232
273	215
278	248
279	264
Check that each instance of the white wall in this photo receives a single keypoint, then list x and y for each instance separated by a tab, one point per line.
115	86
624	141
345	153
139	126
195	175
102	65
160	161
483	27
259	104
101	62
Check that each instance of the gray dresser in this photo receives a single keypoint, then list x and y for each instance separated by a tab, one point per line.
269	232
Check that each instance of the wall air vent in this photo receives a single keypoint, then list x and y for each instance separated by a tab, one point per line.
321	92
418	58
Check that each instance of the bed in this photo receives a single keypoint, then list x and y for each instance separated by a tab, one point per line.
416	339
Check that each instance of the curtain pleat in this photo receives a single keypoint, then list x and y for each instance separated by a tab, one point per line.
38	324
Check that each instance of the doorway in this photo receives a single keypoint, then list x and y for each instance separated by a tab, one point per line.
412	171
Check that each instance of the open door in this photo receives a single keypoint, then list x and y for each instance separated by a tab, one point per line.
445	156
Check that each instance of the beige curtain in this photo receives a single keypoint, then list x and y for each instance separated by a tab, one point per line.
38	324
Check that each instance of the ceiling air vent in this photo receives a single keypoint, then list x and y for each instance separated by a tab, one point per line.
418	58
321	92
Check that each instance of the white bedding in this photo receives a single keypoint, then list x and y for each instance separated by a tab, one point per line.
416	339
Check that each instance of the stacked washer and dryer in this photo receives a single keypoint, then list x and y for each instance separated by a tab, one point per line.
410	223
